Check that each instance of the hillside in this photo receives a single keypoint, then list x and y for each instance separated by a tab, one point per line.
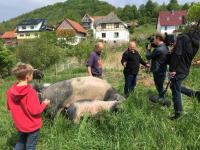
73	9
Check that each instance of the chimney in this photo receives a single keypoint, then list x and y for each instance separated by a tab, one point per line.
172	12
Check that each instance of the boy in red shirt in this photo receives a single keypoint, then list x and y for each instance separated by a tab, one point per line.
25	107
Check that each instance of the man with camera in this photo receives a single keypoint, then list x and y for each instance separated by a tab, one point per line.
186	47
158	59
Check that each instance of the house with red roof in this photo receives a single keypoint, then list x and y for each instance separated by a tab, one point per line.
170	21
9	38
70	28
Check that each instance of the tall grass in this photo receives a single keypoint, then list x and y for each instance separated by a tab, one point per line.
138	125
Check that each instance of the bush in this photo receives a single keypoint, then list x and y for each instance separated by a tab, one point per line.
40	53
83	50
7	60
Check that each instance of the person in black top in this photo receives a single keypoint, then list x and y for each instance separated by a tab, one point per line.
158	59
185	49
131	61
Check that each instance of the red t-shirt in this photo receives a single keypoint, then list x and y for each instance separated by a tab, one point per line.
25	108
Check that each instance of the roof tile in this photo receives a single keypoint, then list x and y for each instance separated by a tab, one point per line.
76	26
9	35
172	18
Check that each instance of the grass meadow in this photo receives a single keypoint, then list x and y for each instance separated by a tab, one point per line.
138	125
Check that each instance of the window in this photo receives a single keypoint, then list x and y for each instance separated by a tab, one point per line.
32	27
21	35
23	27
116	34
103	35
165	28
36	34
103	26
27	34
116	25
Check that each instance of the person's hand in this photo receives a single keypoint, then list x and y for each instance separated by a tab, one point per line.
46	101
148	65
124	64
90	74
172	74
149	47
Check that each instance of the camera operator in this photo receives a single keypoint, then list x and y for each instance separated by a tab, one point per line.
158	59
185	49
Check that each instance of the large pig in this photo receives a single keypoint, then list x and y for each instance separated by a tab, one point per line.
64	93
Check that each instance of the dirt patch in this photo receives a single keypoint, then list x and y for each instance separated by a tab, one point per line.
145	80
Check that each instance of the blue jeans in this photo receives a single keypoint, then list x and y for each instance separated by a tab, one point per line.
27	141
159	81
176	94
130	83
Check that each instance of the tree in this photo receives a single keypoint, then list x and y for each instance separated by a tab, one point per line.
186	6
173	5
128	13
142	14
7	60
40	53
149	7
193	12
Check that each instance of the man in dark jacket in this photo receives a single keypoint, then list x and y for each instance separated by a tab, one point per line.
186	47
131	61
158	59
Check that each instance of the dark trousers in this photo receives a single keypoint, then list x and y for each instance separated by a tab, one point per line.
130	83
177	89
27	141
159	79
187	91
176	94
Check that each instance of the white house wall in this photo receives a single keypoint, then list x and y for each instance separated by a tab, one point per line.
110	31
28	27
123	36
170	29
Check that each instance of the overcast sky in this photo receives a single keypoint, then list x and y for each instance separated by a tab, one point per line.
12	8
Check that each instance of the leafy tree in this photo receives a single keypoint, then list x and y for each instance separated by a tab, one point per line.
173	5
142	14
150	7
193	12
186	6
40	53
7	60
128	13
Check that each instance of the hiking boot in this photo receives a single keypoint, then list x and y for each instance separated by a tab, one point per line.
154	99
176	116
164	102
197	95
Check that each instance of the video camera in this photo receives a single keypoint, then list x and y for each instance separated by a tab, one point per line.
169	40
150	41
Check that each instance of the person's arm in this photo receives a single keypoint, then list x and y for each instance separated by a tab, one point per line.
89	64
142	61
152	55
175	57
89	71
33	104
124	59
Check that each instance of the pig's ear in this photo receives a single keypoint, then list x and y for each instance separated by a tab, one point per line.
37	74
37	87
